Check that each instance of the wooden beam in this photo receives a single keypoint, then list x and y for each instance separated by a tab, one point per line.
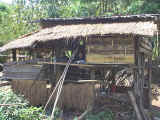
4	84
16	104
136	108
149	82
14	55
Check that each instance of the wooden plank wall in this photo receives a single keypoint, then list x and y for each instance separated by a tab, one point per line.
22	72
114	49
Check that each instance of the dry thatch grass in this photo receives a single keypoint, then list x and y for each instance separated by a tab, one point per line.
82	30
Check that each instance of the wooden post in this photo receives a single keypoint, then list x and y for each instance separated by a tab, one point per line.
147	89
136	91
92	75
57	69
149	84
134	103
139	78
14	55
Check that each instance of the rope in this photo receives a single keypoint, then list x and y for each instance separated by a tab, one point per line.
59	90
59	85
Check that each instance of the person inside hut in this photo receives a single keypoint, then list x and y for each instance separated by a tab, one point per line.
80	56
71	49
80	59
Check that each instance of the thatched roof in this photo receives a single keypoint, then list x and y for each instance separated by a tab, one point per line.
73	31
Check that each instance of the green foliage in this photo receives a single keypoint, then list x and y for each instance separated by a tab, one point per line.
57	113
135	7
86	8
150	6
4	16
16	19
26	113
18	112
156	50
104	115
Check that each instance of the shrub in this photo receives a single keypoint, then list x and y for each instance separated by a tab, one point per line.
104	115
18	112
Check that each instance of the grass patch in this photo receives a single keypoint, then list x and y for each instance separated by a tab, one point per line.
104	115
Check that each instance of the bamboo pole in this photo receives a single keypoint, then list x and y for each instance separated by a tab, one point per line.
16	104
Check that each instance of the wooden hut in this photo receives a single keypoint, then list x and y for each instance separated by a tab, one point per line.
106	45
